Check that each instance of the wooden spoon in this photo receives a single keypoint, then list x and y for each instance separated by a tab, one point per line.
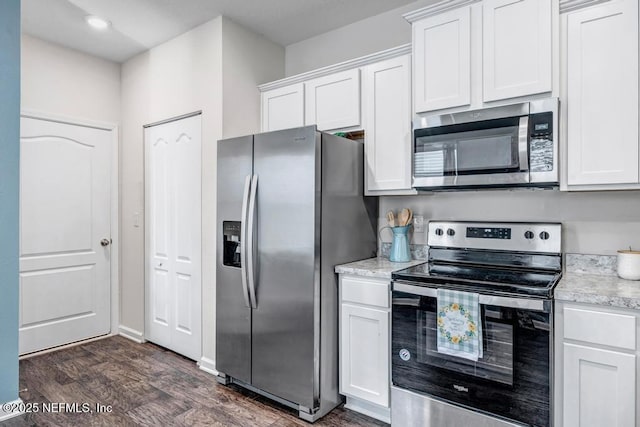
403	217
391	219
410	217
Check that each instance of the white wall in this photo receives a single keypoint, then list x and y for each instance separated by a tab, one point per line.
248	60
361	38
178	77
186	74
64	82
593	222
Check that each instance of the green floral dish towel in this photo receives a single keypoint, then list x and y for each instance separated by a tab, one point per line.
459	324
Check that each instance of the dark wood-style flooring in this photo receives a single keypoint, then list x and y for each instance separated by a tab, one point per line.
147	385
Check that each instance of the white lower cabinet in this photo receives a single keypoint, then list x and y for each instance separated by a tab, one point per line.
599	387
364	345
596	366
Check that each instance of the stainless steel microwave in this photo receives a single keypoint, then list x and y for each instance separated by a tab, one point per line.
507	146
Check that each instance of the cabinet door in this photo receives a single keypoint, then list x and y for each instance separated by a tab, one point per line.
599	387
517	53
387	123
283	108
442	60
364	353
333	102
602	94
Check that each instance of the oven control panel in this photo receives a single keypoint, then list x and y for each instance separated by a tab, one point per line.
515	236
489	232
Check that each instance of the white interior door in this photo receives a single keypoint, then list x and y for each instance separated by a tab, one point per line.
65	217
173	234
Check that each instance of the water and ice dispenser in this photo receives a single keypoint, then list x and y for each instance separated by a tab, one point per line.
231	243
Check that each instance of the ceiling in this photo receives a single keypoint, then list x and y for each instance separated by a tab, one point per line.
138	25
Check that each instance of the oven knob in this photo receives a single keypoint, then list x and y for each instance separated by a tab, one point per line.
529	235
544	235
451	232
439	232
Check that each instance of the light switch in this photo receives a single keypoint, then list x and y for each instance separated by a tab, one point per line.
418	224
136	219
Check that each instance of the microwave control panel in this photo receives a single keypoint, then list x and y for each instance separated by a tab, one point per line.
541	142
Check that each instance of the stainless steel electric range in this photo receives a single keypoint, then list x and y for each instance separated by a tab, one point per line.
513	267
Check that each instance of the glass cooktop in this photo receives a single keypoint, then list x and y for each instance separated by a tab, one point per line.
482	279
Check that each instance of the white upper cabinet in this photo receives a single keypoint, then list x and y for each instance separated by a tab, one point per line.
517	51
442	60
602	94
386	94
473	52
333	102
283	108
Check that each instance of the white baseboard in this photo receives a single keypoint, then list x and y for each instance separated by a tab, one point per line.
5	415
208	365
131	334
370	409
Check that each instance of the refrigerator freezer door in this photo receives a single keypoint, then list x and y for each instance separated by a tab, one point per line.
285	344
233	317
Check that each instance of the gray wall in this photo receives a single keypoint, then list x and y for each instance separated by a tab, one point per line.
361	38
593	222
9	176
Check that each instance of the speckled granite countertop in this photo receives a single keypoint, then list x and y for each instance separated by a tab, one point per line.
588	279
593	280
375	267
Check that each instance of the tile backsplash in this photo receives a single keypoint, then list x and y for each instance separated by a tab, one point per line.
417	251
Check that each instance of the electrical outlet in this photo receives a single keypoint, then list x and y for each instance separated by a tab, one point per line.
418	223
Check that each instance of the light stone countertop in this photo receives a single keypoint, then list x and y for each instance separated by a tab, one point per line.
588	279
592	279
599	289
375	267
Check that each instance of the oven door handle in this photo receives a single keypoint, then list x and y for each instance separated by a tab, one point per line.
498	301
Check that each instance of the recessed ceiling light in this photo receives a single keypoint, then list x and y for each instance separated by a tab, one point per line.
97	22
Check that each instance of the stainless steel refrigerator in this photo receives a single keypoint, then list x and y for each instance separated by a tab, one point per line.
290	207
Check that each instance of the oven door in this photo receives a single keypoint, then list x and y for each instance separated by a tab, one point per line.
513	378
483	153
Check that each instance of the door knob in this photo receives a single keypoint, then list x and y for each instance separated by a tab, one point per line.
105	242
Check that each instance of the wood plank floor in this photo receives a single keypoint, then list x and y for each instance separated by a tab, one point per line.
147	385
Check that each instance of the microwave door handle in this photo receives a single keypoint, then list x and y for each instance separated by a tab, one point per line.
523	143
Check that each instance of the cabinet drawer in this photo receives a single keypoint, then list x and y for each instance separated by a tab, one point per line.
613	329
365	291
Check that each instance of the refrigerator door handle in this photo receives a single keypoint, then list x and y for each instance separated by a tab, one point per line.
244	238
251	229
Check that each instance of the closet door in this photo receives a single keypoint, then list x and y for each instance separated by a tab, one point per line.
173	235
